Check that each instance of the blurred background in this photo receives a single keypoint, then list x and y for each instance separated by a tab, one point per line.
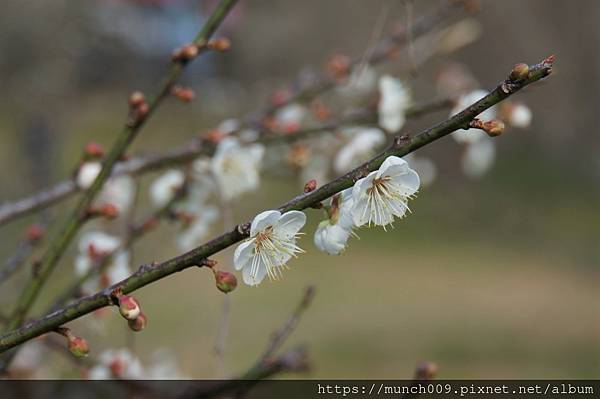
495	277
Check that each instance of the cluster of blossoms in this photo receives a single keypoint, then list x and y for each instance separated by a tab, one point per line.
376	199
122	364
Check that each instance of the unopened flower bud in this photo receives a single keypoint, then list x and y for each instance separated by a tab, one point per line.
426	371
109	211
280	97
136	99
494	128
310	185
185	94
225	281
519	72
34	233
129	307
142	111
320	111
78	346
220	44
338	66
93	150
186	53
139	323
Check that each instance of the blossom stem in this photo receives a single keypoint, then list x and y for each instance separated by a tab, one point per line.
401	146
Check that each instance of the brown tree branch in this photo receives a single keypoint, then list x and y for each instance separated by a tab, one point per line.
148	274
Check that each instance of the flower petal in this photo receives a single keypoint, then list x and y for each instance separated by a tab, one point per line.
289	224
243	254
264	220
249	279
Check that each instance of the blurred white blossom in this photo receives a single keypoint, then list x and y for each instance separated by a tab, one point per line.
117	364
360	148
519	115
470	136
93	246
164	188
478	157
393	102
425	168
236	168
87	173
118	191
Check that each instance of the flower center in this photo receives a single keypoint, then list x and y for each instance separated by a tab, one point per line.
264	238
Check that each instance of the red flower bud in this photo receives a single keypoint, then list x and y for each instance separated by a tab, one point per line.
136	99
220	44
78	346
129	307
426	371
93	150
225	281
34	233
310	185
139	323
110	211
185	94
493	128
339	66
186	53
280	97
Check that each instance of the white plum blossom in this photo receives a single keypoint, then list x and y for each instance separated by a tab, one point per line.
470	136
117	364
359	149
236	167
478	158
519	116
393	102
193	235
361	81
163	189
118	191
271	245
424	167
333	233
92	247
163	366
383	194
290	115
229	126
87	173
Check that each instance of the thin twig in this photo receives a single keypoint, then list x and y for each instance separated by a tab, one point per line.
148	274
281	335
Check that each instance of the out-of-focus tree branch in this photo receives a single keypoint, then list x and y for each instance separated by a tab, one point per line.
136	121
302	92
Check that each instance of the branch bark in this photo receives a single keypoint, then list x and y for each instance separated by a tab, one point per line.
147	274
